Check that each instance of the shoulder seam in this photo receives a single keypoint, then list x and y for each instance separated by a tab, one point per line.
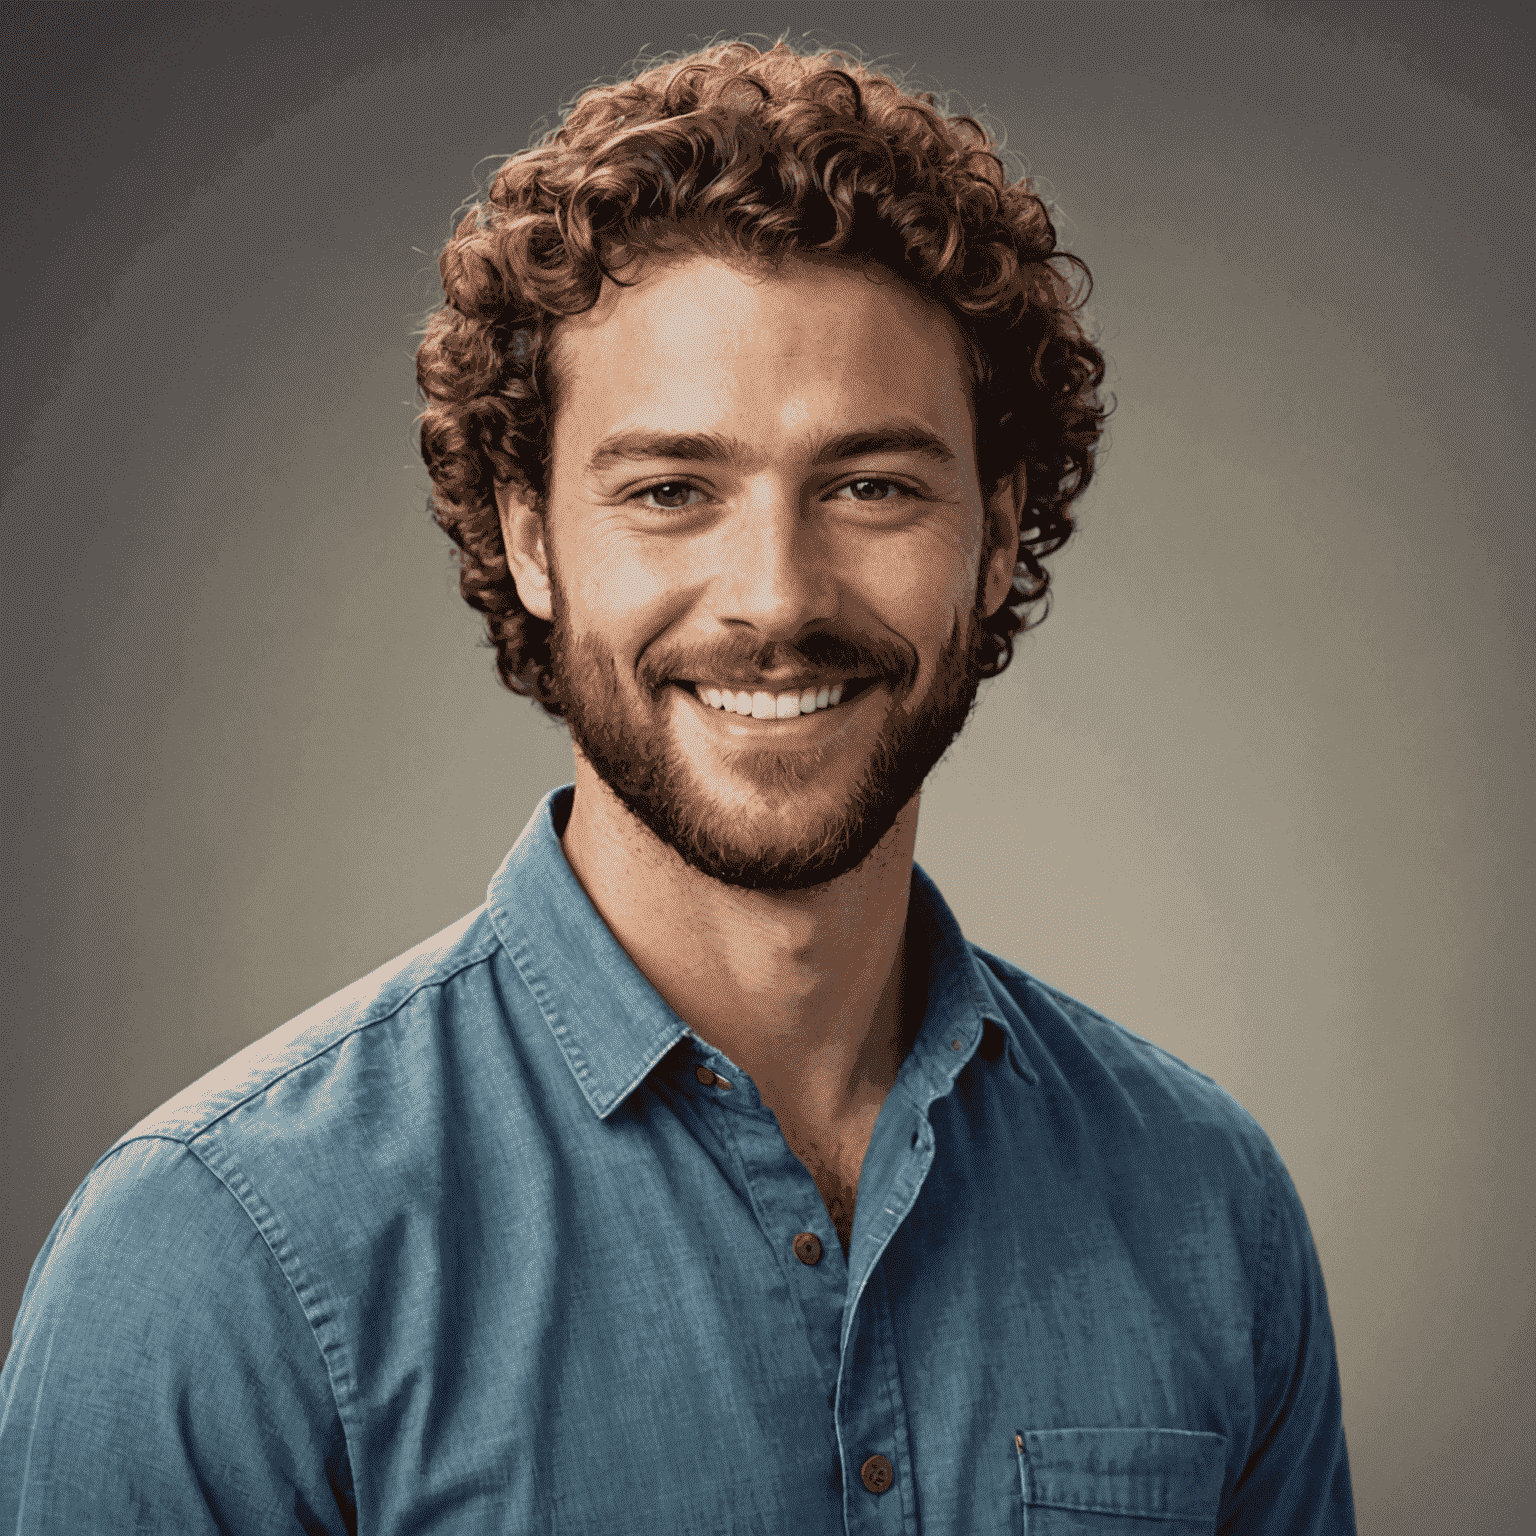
203	1127
266	1243
282	1269
1067	1001
1152	1045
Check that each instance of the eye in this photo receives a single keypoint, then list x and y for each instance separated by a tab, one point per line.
668	494
864	482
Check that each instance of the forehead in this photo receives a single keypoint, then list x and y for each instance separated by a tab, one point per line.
811	346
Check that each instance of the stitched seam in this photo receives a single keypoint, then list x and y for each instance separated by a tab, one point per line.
1072	1003
1115	1509
1268	1270
203	1127
282	1269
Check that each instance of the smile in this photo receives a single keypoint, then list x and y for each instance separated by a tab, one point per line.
759	704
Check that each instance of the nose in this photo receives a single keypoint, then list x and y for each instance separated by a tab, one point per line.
777	575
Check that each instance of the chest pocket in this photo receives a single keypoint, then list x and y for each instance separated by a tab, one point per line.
1118	1482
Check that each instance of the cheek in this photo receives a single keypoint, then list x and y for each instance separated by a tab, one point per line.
922	590
621	594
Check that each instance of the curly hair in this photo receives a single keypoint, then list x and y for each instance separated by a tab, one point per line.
753	155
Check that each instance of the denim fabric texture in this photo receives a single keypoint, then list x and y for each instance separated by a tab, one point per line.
474	1246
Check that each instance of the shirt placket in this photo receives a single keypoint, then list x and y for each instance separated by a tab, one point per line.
788	1208
879	1482
843	1302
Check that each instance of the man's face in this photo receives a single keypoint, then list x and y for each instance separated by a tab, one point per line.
763	485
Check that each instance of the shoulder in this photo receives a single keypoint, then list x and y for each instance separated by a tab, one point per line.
1127	1092
337	1037
143	1201
159	1344
207	1250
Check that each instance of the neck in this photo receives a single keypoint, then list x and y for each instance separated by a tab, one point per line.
804	990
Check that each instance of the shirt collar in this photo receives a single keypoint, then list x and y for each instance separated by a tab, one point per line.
968	1009
613	1026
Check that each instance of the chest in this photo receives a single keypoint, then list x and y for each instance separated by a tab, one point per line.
650	1287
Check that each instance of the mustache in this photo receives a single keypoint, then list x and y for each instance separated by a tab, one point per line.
825	652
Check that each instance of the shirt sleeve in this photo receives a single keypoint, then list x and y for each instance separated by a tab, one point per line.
1297	1477
162	1375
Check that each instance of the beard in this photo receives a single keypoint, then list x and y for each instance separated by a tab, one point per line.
627	737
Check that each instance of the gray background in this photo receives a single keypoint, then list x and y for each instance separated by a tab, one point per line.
1260	787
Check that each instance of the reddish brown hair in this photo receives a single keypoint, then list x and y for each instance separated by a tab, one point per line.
757	154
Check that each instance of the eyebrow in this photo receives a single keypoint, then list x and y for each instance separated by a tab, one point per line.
640	446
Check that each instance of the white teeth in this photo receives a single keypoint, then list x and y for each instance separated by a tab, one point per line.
762	705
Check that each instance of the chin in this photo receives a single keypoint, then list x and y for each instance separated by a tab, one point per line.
774	862
785	834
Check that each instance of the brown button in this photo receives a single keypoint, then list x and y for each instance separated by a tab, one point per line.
807	1248
721	1082
878	1474
704	1075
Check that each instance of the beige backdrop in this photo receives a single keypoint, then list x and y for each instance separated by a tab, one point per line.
1260	788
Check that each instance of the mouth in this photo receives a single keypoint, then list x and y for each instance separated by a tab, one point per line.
778	704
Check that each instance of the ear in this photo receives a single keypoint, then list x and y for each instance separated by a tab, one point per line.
1004	508
522	531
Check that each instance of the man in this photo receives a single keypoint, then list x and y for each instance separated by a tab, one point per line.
705	1179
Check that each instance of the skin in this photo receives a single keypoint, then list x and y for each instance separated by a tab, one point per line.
693	560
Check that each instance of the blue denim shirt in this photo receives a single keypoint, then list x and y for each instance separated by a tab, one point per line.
491	1242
